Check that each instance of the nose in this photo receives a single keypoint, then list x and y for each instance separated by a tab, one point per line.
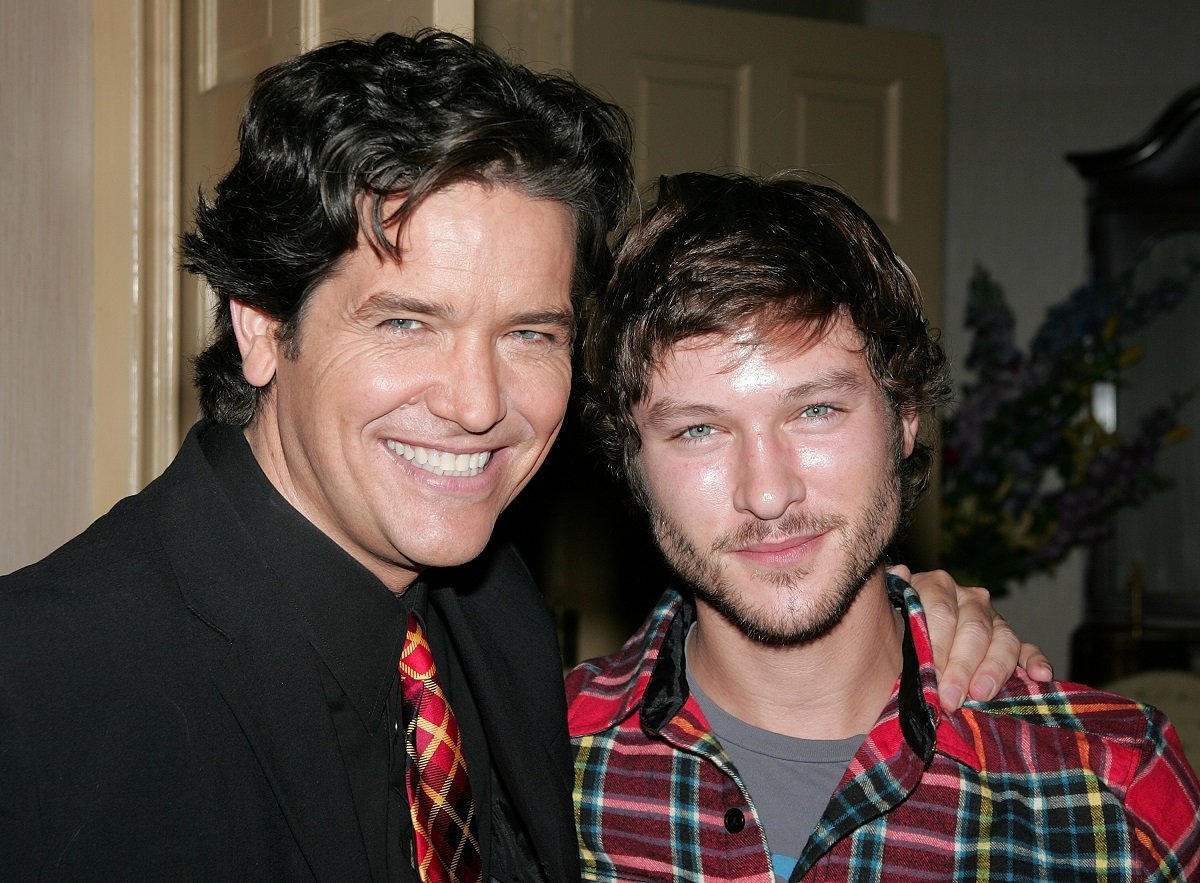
768	478
470	389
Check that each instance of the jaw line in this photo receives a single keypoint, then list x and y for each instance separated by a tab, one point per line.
441	462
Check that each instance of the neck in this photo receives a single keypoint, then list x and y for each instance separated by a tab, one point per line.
832	687
267	448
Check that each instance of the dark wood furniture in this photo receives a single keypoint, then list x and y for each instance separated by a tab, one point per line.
1143	587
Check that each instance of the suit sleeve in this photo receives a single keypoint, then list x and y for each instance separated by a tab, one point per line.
19	805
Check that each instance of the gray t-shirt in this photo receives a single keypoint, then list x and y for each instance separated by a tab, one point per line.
789	780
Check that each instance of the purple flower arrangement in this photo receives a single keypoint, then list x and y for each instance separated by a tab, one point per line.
1029	473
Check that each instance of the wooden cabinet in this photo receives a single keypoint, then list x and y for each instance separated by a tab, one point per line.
1143	588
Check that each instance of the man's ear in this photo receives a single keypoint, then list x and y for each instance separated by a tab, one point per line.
910	425
258	342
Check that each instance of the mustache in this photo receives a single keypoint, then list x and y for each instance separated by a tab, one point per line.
793	524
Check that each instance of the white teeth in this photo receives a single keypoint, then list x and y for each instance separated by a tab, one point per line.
442	462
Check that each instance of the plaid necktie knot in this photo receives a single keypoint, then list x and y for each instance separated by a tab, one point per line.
439	792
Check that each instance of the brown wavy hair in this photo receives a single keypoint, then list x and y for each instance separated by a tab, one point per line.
777	257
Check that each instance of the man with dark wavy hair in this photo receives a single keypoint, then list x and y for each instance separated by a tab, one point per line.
205	684
298	654
758	370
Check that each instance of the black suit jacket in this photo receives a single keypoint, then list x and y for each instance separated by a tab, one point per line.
161	716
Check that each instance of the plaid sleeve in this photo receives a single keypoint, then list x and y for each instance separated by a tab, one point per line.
1164	799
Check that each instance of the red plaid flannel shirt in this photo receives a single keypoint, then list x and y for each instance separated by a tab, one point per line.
1046	782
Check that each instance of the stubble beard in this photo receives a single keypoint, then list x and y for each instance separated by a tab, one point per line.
805	613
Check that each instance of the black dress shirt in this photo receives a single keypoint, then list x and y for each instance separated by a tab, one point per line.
356	628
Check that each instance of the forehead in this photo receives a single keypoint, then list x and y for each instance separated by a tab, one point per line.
461	211
796	349
470	241
396	217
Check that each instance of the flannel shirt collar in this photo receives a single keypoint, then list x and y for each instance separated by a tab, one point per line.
648	676
618	683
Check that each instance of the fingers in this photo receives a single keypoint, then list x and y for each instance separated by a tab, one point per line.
941	598
975	650
1035	662
966	670
999	662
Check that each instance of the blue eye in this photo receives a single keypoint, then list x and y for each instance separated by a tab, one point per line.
526	334
817	411
403	324
701	431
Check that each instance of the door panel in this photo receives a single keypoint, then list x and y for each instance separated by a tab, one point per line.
341	18
238	39
690	115
851	128
715	89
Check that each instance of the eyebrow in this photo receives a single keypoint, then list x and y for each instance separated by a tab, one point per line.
387	302
392	302
670	410
563	319
823	385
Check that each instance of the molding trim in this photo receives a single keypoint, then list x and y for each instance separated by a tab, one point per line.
159	228
134	228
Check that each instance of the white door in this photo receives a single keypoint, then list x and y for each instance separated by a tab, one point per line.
709	88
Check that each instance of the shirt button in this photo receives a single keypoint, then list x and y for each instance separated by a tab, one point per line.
734	820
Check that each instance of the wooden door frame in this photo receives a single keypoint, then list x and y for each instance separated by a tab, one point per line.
135	224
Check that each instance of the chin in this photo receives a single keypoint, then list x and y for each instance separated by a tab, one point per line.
451	554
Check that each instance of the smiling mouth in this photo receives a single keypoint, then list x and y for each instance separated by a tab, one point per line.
442	462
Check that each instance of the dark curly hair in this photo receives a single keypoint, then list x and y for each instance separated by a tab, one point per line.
328	136
726	254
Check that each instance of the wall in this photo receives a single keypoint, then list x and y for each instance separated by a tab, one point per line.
45	275
1027	82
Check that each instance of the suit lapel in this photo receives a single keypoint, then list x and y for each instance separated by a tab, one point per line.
505	641
262	668
287	724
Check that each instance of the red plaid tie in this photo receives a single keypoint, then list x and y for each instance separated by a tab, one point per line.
439	792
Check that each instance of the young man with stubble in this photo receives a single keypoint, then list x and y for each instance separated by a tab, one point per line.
759	369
